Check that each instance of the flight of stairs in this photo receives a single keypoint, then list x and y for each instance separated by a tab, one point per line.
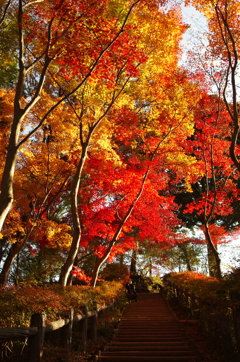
149	331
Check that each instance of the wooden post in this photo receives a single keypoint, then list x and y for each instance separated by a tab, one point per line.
92	332
83	330
236	323
212	318
227	338
235	298
186	300
177	294
193	305
225	324
66	332
35	343
205	316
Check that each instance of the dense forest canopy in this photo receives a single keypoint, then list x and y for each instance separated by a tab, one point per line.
110	145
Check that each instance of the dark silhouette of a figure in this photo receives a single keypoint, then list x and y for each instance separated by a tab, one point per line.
131	291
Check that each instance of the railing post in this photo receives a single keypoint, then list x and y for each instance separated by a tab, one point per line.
227	337
213	320
178	294
185	297
35	343
194	307
235	303
236	323
83	324
92	335
66	332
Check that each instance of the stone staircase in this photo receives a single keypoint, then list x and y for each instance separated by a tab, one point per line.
149	331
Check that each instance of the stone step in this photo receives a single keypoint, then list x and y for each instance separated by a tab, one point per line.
149	348
148	321
147	324
140	340
148	358
146	334
149	327
148	331
135	345
177	353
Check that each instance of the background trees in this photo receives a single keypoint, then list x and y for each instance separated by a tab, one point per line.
213	194
217	63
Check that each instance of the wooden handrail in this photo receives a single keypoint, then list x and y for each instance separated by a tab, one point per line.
17	332
39	327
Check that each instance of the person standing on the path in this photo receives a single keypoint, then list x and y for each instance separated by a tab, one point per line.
131	291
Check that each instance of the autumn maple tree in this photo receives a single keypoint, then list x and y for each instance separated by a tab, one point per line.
213	194
128	88
141	152
52	49
50	55
94	128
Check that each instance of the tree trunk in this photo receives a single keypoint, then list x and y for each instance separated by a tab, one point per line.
212	266
150	266
98	264
3	245
216	269
14	250
67	266
121	259
6	195
183	247
133	266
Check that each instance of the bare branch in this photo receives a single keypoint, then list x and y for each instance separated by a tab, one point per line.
5	12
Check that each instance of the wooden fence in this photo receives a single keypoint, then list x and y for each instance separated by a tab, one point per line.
219	318
87	330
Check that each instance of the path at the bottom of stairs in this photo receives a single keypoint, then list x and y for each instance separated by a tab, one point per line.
149	331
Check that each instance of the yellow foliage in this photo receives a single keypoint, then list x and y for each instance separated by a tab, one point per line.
13	228
53	234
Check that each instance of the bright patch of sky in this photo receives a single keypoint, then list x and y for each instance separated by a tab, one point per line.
193	39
